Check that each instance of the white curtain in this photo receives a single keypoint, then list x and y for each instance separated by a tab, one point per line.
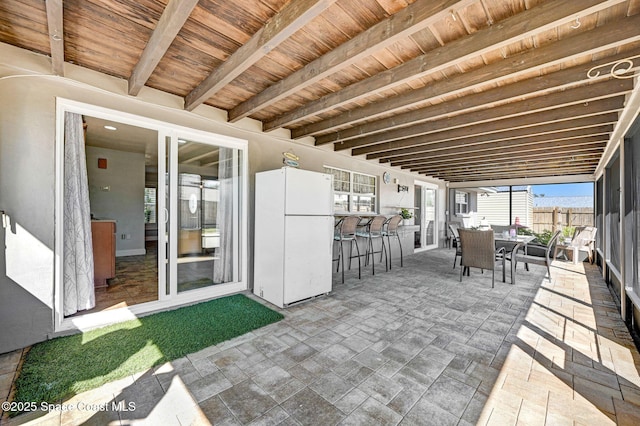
78	293
223	268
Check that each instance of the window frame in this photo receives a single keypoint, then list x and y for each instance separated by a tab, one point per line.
458	205
153	207
352	195
167	132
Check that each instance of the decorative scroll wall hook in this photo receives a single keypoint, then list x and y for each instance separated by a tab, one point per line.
622	69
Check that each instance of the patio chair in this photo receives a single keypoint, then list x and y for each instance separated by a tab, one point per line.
584	239
389	230
346	231
479	251
455	236
533	253
373	231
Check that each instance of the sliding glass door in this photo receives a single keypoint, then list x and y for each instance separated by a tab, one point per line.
175	199
203	196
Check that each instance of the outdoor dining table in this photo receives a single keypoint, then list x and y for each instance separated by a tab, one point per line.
518	240
511	245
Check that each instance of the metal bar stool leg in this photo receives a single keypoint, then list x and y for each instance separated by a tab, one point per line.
400	245
390	255
366	255
359	265
342	256
386	256
351	251
373	256
384	250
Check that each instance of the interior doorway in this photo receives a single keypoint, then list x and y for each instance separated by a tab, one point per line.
122	174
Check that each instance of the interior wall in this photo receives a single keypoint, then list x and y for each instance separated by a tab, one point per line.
27	173
117	192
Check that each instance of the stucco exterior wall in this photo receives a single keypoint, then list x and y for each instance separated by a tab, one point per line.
27	234
27	174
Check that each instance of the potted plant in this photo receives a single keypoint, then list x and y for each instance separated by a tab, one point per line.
406	215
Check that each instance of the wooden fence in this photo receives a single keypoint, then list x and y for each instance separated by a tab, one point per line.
544	218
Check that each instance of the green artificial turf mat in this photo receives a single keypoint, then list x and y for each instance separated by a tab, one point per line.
65	366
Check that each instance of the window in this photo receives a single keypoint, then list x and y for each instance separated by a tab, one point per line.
149	205
462	202
355	192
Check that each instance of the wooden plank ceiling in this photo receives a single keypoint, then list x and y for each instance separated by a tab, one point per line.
461	90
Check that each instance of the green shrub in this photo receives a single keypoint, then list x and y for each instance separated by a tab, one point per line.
567	231
541	238
405	213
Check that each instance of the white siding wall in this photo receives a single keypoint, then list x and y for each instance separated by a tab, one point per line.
495	208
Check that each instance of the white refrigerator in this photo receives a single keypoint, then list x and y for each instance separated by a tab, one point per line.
293	235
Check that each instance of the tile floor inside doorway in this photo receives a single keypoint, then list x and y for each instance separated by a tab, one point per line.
136	282
412	346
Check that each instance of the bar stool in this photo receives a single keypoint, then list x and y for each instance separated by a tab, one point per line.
346	231
390	229
373	230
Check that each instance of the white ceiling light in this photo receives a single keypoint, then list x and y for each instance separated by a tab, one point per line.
110	128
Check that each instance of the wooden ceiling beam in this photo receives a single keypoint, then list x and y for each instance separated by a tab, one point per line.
295	15
173	18
536	86
593	153
411	19
567	176
586	143
513	174
543	133
518	27
508	160
601	126
581	94
530	122
539	85
515	149
56	35
521	172
588	161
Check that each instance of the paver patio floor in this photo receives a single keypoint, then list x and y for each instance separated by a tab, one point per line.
412	346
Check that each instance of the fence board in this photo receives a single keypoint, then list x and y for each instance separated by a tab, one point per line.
544	217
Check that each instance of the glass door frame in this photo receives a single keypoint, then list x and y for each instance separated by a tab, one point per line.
165	301
423	228
239	227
